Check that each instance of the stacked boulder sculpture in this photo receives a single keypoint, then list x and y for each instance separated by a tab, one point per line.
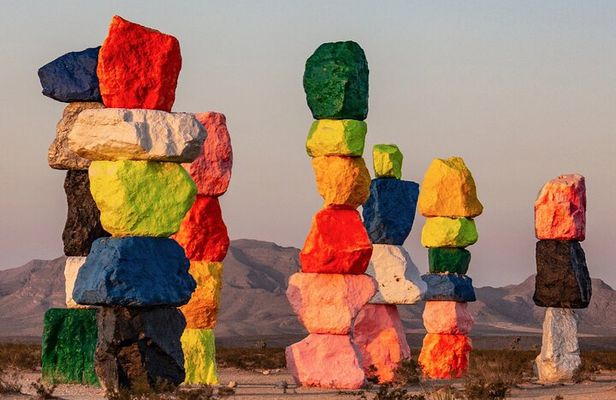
448	200
332	286
562	282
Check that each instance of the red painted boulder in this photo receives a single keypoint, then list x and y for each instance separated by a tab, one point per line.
445	356
447	317
138	67
203	234
560	209
380	339
211	171
328	303
337	243
328	361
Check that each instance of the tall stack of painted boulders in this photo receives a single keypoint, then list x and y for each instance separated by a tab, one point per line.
332	288
203	235
562	282
388	217
448	200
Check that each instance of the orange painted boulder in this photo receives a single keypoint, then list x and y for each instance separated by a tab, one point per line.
342	180
202	309
445	356
328	303
337	243
560	209
138	67
327	361
447	318
380	339
203	233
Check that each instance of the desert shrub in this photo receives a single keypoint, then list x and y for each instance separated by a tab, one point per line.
388	392
9	383
20	355
251	358
408	372
599	359
43	390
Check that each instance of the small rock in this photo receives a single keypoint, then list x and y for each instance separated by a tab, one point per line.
449	287
448	232
202	309
342	180
447	318
387	161
560	352
199	347
71	268
448	260
232	384
445	356
336	137
560	209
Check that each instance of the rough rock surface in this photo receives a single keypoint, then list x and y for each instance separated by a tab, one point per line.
389	212
342	180
448	190
328	361
141	198
69	340
379	336
448	232
445	356
199	349
562	276
138	347
134	272
211	170
337	243
202	309
560	209
449	287
71	268
447	318
336	81
72	77
448	260
328	303
560	352
397	277
336	137
387	161
203	233
59	155
83	224
138	79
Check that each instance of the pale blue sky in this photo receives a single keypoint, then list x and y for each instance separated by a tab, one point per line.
523	90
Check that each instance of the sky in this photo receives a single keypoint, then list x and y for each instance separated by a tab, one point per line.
523	90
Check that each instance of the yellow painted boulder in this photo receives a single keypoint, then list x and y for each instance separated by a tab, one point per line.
342	180
342	137
448	232
202	309
199	350
387	161
448	190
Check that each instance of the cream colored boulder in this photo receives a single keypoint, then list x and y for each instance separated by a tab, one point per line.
71	268
560	352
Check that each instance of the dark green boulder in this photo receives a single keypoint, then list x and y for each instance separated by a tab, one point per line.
336	82
69	343
448	259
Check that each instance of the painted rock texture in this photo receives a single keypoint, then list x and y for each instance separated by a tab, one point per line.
448	232
71	268
83	224
139	347
562	276
447	318
124	134
327	361
448	190
72	77
387	161
448	260
211	170
560	353
449	287
141	198
60	156
336	137
337	243
389	211
336	81
445	356
380	339
138	79
328	303
203	233
342	180
397	278
202	309
560	209
69	340
199	356
134	272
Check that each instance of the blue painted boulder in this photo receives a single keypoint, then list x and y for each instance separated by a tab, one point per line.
389	212
449	287
72	77
134	272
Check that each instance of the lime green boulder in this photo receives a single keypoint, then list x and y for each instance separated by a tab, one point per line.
336	137
69	342
387	161
448	232
448	260
199	356
141	198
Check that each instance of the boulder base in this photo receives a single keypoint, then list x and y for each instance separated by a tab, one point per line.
445	356
560	353
202	309
336	137
342	180
199	357
448	232
387	161
447	318
449	287
560	209
452	260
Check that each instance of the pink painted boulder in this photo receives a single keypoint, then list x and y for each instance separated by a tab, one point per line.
327	361
447	318
328	303
560	209
380	339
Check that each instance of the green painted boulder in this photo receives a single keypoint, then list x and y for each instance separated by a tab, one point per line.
336	81
448	259
69	343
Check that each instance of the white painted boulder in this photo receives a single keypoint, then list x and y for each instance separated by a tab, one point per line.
71	268
560	352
